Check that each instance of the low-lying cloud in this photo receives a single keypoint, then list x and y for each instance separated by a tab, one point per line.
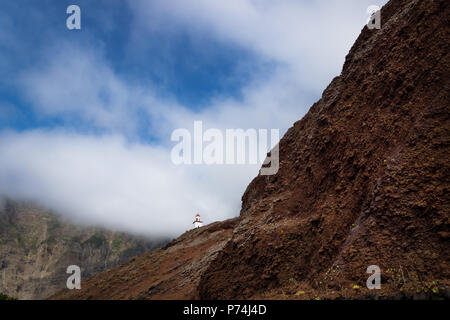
108	181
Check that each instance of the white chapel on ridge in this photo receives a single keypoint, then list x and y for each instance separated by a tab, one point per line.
197	222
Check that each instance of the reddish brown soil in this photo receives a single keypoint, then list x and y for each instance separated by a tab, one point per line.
169	273
363	180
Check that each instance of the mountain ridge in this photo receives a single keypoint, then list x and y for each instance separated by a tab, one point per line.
37	246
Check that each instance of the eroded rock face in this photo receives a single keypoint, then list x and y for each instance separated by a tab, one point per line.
363	179
37	246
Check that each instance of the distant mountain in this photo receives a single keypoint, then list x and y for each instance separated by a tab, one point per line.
37	246
363	180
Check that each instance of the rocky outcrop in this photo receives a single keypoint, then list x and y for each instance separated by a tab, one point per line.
37	246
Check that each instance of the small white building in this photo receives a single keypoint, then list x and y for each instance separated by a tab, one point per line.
197	222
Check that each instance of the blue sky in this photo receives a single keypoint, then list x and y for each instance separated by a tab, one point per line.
86	115
191	70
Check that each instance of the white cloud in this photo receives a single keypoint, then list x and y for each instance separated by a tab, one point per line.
78	85
106	180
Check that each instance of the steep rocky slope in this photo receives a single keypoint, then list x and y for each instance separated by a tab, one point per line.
170	273
364	176
36	247
363	180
